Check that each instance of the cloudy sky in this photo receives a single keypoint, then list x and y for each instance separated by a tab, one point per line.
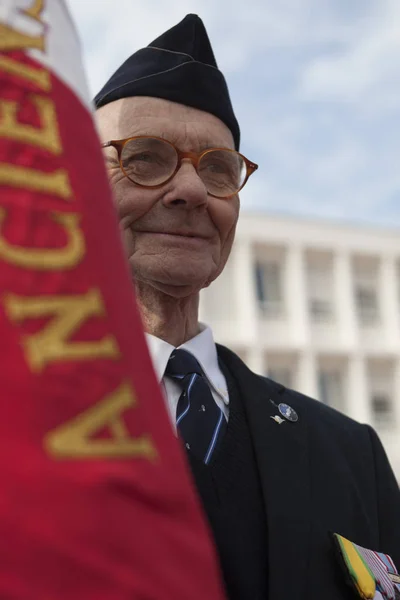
315	85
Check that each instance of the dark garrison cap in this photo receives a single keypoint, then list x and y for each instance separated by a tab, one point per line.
179	66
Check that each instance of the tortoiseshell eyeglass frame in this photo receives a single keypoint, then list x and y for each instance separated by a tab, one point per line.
194	158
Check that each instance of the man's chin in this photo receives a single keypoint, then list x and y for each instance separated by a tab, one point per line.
175	277
178	291
179	287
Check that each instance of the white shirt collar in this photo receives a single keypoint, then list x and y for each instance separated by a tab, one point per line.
203	348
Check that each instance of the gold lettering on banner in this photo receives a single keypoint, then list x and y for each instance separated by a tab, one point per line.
76	438
35	10
46	137
47	259
10	39
56	183
39	77
68	313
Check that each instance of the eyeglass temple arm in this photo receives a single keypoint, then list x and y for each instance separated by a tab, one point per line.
117	144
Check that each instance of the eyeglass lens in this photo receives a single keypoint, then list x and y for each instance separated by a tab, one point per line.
150	162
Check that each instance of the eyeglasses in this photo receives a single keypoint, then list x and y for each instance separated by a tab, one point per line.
150	162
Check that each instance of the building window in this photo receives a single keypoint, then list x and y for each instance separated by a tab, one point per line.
269	287
382	410
398	281
331	388
320	310
320	287
366	286
381	386
367	304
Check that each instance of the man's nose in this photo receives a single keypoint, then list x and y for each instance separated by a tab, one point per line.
186	189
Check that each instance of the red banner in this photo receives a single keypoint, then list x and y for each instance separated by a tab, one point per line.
95	503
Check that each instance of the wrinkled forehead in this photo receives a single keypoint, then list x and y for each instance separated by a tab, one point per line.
187	127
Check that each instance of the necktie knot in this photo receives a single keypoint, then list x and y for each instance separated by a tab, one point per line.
181	363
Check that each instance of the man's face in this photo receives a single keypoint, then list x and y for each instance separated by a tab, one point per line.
177	238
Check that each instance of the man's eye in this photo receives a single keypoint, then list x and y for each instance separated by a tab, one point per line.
143	157
216	167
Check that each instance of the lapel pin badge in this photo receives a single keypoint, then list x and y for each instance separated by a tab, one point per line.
278	419
286	411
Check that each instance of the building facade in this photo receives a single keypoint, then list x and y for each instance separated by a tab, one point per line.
316	306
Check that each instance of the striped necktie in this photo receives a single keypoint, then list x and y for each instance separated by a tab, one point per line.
200	422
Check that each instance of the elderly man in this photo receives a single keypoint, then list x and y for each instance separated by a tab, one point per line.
278	474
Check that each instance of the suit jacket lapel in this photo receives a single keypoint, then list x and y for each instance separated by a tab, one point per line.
282	455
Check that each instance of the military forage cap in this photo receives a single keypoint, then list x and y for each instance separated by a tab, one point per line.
178	66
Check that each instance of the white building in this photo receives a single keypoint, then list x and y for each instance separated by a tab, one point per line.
316	306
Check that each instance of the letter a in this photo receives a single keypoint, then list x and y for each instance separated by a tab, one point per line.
76	438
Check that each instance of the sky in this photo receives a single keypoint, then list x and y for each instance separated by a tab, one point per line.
315	85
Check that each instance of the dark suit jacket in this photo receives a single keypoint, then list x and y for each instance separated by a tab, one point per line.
325	473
